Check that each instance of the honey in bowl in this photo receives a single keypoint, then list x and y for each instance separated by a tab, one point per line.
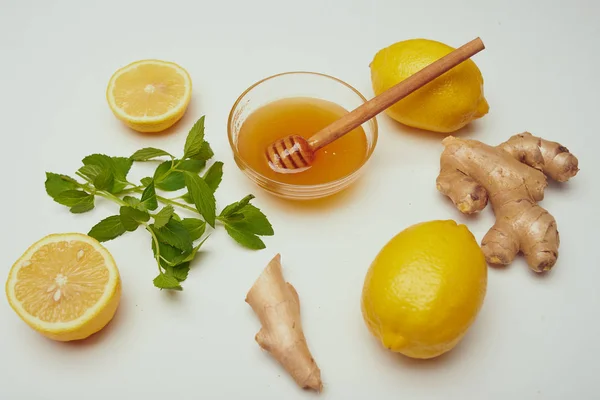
302	116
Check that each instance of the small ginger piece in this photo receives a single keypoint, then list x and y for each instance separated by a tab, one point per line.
277	306
512	176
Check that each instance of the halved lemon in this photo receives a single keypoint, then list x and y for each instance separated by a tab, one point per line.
149	95
65	286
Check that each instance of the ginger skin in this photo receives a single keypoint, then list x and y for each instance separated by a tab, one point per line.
512	176
277	306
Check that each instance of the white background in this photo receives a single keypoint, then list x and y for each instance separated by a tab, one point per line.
536	336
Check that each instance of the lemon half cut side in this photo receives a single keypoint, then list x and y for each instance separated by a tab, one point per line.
149	95
65	286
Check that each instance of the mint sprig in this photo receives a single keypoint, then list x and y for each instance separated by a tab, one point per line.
175	241
245	223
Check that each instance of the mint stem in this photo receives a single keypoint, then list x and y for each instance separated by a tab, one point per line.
112	197
173	168
155	240
132	189
79	174
172	202
178	204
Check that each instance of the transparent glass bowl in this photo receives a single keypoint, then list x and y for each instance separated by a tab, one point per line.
298	84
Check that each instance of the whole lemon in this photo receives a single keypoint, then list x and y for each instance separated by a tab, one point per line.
425	288
445	104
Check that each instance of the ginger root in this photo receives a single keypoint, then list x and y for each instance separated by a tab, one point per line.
513	176
277	306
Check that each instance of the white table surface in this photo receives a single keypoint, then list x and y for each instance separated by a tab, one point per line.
535	338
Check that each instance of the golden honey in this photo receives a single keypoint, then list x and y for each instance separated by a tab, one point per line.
301	116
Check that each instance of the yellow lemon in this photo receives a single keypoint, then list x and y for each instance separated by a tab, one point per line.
425	288
65	286
446	104
149	95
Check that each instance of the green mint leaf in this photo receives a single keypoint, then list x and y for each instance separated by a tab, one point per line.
245	238
195	227
104	180
94	164
194	140
149	197
205	153
107	229
254	221
91	172
243	222
148	153
172	257
84	205
182	165
176	217
175	180
133	202
101	160
179	272
169	255
56	184
235	207
119	166
187	198
163	281
203	197
191	165
190	257
131	218
63	189
140	216
146	181
163	216
214	175
175	261
71	197
174	234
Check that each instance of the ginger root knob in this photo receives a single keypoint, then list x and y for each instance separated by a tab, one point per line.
512	176
277	305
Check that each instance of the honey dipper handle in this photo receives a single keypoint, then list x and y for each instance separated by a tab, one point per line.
388	98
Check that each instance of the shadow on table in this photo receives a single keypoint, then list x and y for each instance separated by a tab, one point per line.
337	200
421	134
101	335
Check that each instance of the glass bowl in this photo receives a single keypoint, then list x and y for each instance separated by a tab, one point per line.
298	84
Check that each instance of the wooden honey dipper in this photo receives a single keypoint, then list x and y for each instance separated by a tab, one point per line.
295	154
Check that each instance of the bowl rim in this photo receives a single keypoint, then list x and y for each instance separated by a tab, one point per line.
245	165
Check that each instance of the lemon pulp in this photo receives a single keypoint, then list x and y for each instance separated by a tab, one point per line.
65	286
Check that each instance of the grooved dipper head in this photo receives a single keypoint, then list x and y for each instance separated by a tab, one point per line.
291	154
